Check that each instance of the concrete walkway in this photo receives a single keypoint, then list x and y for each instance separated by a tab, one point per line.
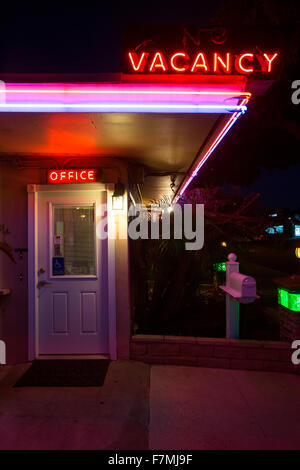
154	407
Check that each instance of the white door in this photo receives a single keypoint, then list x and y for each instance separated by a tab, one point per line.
72	274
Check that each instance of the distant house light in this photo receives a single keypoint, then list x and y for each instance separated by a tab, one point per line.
220	266
273	215
275	229
297	230
289	300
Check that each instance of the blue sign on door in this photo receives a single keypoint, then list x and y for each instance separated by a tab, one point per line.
58	266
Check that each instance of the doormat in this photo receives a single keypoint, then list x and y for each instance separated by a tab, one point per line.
65	373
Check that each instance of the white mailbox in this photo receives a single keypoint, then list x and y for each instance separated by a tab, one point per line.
241	287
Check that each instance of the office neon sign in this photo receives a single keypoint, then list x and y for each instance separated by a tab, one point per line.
71	176
201	62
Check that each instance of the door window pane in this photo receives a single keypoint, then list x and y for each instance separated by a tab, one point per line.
73	238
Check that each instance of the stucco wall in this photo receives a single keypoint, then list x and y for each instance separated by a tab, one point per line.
13	308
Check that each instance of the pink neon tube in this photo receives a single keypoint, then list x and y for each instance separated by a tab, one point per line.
231	121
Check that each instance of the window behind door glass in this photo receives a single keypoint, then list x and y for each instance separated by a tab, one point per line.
74	238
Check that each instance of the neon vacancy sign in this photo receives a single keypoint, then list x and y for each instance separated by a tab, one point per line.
201	62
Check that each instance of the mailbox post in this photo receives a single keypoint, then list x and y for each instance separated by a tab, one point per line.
232	307
239	288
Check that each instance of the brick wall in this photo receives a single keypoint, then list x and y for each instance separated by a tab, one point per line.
213	352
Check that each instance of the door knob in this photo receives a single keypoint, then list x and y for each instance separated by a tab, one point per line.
43	283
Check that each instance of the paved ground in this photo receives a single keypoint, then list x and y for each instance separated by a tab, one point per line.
156	407
197	408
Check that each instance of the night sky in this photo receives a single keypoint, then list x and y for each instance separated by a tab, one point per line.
77	39
279	188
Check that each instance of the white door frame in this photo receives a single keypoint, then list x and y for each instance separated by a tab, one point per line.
33	190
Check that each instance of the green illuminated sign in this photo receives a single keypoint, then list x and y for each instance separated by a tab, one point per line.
289	300
220	266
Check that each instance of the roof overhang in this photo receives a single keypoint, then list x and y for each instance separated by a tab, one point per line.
168	125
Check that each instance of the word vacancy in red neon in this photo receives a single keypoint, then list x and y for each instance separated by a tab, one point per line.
201	62
71	176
